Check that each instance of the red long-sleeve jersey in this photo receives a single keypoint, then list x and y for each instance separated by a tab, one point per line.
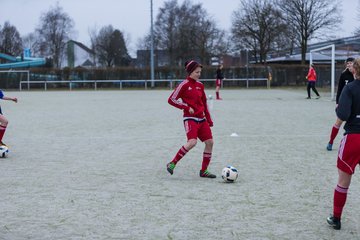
311	76
192	94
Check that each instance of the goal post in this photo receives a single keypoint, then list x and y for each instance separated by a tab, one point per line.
332	46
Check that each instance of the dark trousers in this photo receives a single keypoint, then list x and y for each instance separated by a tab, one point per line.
311	84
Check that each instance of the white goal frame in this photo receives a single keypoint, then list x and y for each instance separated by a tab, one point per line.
332	46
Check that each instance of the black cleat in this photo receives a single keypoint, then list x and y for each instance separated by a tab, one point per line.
207	174
334	222
329	147
170	167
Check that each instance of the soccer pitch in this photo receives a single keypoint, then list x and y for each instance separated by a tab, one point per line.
92	165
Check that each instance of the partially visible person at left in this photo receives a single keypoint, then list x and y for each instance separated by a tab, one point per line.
190	97
348	111
3	120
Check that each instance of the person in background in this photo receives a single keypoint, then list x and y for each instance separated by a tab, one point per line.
346	77
219	78
3	120
190	97
348	158
311	78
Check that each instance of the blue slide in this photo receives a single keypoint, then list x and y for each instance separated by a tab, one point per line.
17	62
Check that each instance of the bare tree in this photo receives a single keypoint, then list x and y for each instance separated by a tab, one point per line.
109	46
186	31
165	29
257	26
119	49
54	32
10	40
30	42
310	17
357	30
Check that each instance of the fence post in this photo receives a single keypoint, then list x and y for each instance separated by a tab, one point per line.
28	81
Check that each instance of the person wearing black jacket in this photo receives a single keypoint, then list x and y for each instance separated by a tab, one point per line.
348	111
346	77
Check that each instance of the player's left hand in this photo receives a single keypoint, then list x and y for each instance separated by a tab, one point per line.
15	100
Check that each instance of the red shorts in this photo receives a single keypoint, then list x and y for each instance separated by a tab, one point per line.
218	82
349	153
196	130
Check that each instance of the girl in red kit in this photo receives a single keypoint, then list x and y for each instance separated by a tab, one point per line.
197	120
219	78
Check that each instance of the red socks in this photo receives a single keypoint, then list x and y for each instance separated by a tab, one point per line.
334	132
217	95
340	195
2	132
182	152
179	155
206	161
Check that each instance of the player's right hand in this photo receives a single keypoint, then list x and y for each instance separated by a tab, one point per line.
191	110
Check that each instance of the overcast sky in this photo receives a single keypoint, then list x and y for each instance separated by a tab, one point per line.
132	17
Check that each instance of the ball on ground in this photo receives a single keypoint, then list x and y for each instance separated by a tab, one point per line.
229	174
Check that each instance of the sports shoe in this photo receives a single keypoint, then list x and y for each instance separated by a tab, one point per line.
207	174
329	147
308	98
334	222
318	97
170	167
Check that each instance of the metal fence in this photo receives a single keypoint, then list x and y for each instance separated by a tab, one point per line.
119	84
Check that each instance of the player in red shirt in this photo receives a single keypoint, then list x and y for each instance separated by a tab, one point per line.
311	77
197	120
219	78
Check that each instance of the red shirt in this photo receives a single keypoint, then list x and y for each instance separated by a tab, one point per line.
311	75
192	94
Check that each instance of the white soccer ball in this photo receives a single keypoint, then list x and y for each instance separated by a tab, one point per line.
210	97
229	174
4	150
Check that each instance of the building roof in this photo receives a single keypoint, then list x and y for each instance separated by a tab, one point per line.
344	48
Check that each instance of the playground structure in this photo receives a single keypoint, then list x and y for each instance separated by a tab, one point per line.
21	62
